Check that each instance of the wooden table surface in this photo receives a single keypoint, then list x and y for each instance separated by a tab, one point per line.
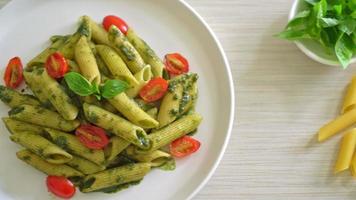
283	97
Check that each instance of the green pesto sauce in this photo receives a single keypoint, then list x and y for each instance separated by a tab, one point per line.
62	142
4	94
184	101
173	112
39	71
143	139
120	160
16	110
170	165
117	188
26	158
84	30
87	183
47	104
40	152
127	52
193	132
92	117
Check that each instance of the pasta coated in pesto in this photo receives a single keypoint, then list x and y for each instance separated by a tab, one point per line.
13	98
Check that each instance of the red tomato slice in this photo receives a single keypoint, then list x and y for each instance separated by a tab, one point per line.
176	64
13	76
60	186
56	65
154	89
117	21
92	137
184	146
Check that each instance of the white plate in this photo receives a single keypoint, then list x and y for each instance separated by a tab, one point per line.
168	26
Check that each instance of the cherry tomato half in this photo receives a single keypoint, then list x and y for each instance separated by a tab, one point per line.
92	137
154	89
117	21
176	64
13	76
60	186
184	146
56	65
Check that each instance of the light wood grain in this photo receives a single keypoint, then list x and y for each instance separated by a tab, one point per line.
283	97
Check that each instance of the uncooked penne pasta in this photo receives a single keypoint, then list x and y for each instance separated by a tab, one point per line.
116	65
115	176
340	123
132	111
46	167
42	147
353	166
15	126
71	143
56	94
116	125
125	49
173	131
115	147
347	149
85	166
142	77
147	54
13	98
86	61
350	97
42	117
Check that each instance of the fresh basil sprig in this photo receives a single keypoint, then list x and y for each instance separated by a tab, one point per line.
82	87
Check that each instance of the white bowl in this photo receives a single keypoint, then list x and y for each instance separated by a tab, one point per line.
312	48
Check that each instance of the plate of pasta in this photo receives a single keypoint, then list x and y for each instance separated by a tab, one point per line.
110	100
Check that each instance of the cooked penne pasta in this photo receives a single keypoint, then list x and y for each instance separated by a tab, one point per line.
132	111
43	117
85	166
173	131
125	49
115	147
71	143
99	34
46	167
56	94
190	95
115	176
42	147
152	112
116	65
347	149
340	123
142	77
73	66
86	61
13	98
102	67
116	125
148	55
15	126
156	158
350	97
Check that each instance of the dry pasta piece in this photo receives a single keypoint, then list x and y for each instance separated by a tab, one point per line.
347	149
350	97
337	125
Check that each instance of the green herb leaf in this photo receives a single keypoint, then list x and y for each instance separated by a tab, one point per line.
344	49
312	2
111	88
319	11
347	26
78	84
294	34
328	22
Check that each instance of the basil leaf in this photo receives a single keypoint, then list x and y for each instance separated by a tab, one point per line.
353	14
78	84
338	9
319	11
312	2
294	34
344	49
328	22
347	26
111	88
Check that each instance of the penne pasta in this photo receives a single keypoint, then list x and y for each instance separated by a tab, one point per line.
116	125
99	34
71	143
15	126
347	149
340	123
42	147
142	77
42	117
350	97
115	147
85	166
73	66
46	167
13	98
115	176
156	158
353	166
132	111
148	55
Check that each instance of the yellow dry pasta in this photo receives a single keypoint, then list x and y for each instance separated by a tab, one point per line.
116	65
353	166
86	61
116	125
142	77
115	176
340	123
46	167
132	111
71	143
42	147
347	149
350	97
